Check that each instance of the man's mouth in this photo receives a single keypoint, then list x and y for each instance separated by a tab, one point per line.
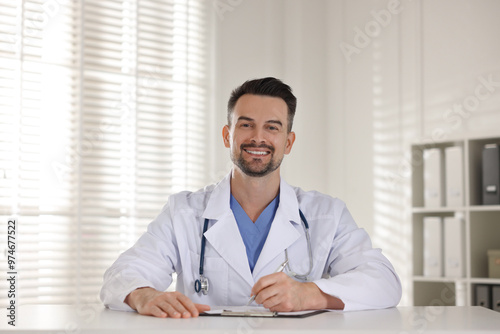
257	152
261	150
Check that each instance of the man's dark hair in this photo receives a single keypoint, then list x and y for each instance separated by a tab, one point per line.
267	87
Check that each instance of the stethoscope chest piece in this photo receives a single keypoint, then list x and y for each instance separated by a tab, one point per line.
201	284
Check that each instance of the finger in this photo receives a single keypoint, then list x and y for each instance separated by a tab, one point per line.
188	305
202	307
263	283
274	283
179	307
156	311
166	304
272	302
281	307
171	311
267	293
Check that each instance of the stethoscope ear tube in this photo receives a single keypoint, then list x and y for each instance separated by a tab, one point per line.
304	221
201	284
203	242
304	277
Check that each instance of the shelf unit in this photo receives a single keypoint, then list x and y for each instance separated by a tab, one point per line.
482	227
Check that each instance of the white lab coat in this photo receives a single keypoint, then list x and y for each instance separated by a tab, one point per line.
344	263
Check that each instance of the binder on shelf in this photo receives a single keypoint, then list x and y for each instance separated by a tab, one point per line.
493	263
495	298
454	176
454	247
460	294
483	296
491	174
433	178
433	246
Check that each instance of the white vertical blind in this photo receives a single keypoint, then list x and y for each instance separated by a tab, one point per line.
102	116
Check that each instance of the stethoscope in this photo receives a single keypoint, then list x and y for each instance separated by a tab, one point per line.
202	285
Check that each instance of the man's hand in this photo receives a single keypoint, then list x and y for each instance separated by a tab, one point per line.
279	292
148	301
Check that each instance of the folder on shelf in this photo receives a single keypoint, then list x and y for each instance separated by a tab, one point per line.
433	178
495	298
454	176
491	174
454	247
433	246
460	293
483	295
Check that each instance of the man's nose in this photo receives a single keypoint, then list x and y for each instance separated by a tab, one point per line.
258	135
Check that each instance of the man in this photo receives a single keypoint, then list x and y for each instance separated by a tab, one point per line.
238	232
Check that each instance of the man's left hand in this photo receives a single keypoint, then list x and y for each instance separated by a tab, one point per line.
279	292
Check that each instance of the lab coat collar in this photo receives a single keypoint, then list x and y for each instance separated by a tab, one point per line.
289	203
224	235
283	233
226	239
218	204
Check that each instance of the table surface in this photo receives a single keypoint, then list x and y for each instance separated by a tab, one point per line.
94	318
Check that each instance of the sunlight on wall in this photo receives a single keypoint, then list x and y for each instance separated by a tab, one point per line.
392	231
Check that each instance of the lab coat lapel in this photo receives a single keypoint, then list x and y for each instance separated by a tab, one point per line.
224	235
283	233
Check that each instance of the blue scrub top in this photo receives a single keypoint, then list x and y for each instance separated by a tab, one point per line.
254	234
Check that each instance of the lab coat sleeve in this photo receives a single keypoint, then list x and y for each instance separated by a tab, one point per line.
149	263
359	275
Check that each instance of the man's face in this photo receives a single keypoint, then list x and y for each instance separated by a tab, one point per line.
258	136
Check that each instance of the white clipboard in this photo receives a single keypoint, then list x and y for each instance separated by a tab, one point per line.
253	311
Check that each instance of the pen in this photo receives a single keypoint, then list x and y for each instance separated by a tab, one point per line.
280	269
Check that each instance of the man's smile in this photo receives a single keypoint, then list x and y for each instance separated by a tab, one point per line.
257	152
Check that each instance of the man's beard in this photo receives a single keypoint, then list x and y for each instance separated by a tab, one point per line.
256	171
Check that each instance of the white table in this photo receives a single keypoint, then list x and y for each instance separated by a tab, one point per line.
94	318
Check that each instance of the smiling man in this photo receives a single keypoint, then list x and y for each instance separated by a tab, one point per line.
258	136
226	241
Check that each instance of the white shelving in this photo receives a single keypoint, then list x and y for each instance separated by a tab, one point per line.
482	227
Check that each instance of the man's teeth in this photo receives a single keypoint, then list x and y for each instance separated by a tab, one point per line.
257	152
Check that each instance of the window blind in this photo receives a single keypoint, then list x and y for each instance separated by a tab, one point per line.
102	116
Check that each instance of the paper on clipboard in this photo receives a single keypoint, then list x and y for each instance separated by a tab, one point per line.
255	311
241	311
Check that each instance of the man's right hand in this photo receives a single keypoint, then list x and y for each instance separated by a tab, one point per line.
149	301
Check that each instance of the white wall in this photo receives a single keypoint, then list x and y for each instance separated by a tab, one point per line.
356	118
267	38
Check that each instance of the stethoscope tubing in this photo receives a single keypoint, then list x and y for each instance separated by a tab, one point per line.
198	282
203	242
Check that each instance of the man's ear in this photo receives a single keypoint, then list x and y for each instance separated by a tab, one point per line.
226	136
289	142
